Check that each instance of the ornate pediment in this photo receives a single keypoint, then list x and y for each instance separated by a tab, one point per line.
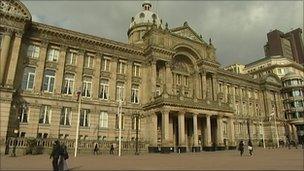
15	8
187	32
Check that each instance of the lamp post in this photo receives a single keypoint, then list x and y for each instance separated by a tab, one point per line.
119	109
137	116
78	120
263	133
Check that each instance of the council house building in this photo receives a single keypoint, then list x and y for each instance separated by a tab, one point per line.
170	76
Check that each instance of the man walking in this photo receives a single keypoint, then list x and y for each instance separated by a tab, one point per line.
55	155
241	147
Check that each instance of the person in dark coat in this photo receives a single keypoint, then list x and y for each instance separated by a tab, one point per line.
112	149
96	149
63	156
55	155
241	147
250	147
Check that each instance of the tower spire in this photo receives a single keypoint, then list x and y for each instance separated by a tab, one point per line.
147	5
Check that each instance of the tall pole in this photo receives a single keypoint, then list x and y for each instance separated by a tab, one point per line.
78	120
119	138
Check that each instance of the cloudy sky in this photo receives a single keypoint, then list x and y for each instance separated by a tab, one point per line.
238	28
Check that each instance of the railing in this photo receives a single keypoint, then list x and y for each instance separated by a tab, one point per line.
84	146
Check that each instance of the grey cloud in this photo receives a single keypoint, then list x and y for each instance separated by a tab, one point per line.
238	28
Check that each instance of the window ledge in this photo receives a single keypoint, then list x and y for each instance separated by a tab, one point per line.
46	125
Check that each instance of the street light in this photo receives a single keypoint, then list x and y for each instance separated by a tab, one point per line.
78	120
136	116
119	109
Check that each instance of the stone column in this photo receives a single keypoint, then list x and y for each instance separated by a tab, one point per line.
197	86
11	70
40	67
128	83
169	78
294	128
231	132
60	71
195	135
55	122
112	81
204	85
96	80
153	130
219	131
207	137
214	87
153	78
165	127
79	70
4	53
181	129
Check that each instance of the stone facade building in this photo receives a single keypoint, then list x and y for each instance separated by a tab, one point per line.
170	76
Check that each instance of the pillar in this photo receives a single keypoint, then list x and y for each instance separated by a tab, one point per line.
231	132
55	122
96	73
195	135
204	85
165	127
128	83
181	129
79	70
112	81
169	78
11	69
207	137
220	131
214	87
153	130
153	78
40	67
60	71
4	53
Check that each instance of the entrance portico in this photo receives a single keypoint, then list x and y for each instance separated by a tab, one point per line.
183	130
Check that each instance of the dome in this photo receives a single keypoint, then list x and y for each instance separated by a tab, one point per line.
146	16
291	75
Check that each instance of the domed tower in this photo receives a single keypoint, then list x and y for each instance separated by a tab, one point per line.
142	22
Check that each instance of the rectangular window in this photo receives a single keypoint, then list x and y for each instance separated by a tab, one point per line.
71	58
105	64
68	87
45	113
120	91
104	89
65	116
135	94
53	55
121	67
87	87
84	118
23	115
33	51
136	70
49	80
28	78
103	120
88	61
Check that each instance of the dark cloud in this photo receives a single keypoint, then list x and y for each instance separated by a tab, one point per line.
238	28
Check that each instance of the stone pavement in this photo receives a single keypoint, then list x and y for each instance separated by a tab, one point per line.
263	159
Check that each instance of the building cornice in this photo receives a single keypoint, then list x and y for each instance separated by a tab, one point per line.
86	39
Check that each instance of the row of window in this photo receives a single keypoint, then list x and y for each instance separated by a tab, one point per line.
294	93
66	117
244	109
71	59
293	82
69	85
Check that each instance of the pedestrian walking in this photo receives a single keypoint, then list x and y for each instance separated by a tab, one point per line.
112	149
241	147
96	149
55	155
63	156
250	147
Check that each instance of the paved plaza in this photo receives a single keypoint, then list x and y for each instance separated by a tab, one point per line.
263	159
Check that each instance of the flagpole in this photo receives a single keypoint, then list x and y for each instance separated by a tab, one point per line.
78	120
